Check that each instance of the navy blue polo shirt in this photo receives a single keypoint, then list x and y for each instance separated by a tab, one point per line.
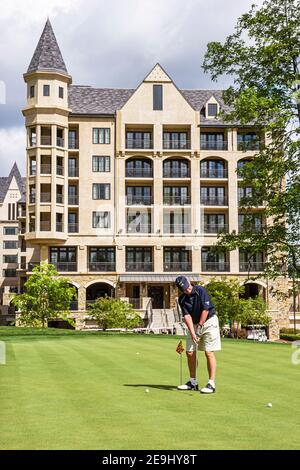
195	303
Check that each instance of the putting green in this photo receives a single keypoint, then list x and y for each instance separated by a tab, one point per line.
61	390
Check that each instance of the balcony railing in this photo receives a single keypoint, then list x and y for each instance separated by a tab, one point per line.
250	146
73	172
178	267
139	172
176	144
59	226
215	266
45	168
177	200
31	226
45	197
213	173
59	199
215	228
211	145
177	228
67	266
139	143
132	200
32	199
32	264
59	170
59	141
45	226
73	228
252	228
32	171
214	201
136	303
73	200
139	266
139	228
251	266
45	139
102	267
175	173
73	144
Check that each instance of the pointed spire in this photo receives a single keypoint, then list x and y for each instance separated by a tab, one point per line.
47	55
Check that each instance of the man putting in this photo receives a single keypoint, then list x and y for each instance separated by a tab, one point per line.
203	331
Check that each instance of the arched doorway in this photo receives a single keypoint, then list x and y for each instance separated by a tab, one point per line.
74	301
253	290
98	289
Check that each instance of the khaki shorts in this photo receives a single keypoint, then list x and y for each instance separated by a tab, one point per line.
210	339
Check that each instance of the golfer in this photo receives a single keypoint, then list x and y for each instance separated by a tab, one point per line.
203	331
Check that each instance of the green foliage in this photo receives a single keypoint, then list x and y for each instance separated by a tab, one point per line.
48	295
289	337
231	307
262	57
114	313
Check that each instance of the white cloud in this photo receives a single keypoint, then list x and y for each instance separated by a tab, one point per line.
12	149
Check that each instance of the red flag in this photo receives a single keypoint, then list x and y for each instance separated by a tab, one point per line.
180	348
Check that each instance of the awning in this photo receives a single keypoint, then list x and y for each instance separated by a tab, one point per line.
156	277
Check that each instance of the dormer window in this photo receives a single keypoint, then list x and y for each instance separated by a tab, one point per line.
212	110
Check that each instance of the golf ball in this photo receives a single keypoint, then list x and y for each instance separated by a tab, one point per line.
147	390
269	405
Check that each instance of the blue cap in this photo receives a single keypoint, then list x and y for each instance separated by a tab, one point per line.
182	282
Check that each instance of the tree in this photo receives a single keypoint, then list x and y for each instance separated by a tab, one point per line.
262	57
114	313
47	295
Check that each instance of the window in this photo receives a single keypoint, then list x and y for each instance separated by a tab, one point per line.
176	140
139	259
46	90
10	230
31	91
60	92
101	191
138	140
10	259
101	219
10	244
11	211
9	273
157	97
101	135
101	164
64	258
212	110
101	255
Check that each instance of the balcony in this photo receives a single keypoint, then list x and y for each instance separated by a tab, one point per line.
250	146
45	226
73	172
73	228
184	266
134	200
177	200
176	144
45	197
210	266
176	173
139	173
177	228
142	144
213	173
31	226
214	145
32	199
68	266
251	266
73	144
252	228
32	265
214	201
216	228
45	168
59	170
137	303
139	228
60	142
59	226
73	200
136	266
59	199
102	267
45	139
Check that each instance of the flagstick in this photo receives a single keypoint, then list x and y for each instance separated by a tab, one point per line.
180	369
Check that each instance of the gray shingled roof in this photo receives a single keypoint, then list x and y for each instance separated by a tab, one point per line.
5	182
47	55
89	100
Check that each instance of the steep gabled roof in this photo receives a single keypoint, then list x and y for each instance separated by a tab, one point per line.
47	55
6	181
89	100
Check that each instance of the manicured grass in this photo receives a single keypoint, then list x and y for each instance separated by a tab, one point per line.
61	390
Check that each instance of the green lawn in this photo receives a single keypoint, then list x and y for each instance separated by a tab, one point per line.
62	390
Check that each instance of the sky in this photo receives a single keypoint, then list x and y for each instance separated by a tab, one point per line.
111	44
